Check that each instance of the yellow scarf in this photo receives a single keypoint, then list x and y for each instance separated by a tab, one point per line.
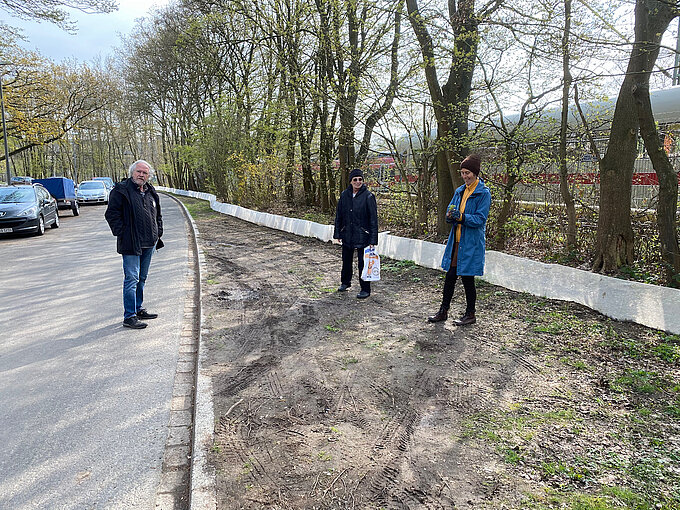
466	193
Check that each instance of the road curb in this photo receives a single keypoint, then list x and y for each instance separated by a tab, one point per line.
199	482
202	489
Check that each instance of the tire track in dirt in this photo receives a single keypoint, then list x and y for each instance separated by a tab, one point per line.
229	435
274	318
522	360
392	446
246	375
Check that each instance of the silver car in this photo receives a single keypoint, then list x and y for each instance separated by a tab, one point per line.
92	192
106	180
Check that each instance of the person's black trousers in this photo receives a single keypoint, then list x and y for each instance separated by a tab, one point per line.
468	285
346	274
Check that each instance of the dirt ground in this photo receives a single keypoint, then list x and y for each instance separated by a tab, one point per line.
330	402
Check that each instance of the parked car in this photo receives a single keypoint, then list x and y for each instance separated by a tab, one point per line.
27	208
20	179
92	192
107	180
63	189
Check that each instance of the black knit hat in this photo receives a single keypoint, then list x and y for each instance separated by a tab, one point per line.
356	173
472	163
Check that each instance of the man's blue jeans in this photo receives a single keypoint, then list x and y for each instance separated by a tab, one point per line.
135	268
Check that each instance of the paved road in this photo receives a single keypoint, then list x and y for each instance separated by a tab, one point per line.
84	402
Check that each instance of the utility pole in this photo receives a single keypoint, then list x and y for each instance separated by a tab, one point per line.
4	128
75	168
676	71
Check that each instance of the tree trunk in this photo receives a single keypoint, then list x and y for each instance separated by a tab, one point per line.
666	211
325	155
290	158
507	209
566	86
348	93
291	136
305	136
614	245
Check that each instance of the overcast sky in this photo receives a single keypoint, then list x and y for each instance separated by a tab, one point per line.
97	34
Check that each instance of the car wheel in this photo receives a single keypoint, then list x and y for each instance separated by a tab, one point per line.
56	221
75	209
40	229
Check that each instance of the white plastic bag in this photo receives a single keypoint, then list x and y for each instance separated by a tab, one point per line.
371	271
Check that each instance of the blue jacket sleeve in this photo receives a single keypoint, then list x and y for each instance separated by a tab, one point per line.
478	218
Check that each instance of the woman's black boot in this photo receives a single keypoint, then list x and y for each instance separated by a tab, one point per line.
440	316
468	318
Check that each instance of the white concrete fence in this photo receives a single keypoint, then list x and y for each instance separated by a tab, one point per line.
650	305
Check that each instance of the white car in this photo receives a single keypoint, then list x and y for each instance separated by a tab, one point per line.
92	192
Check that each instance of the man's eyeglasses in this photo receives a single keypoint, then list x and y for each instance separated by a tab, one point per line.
357	179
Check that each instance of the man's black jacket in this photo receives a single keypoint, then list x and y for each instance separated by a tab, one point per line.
356	218
120	216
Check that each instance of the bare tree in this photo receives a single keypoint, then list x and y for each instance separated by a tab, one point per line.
564	126
451	101
53	10
614	245
652	18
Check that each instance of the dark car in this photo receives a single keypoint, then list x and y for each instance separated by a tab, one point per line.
27	208
63	189
21	179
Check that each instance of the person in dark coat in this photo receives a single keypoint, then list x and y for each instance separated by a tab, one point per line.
356	226
466	247
134	216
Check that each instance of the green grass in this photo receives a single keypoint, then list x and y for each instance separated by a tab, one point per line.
668	349
558	322
512	429
396	266
605	498
318	217
349	360
639	381
575	363
324	456
198	208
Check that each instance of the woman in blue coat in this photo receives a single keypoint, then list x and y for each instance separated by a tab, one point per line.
466	246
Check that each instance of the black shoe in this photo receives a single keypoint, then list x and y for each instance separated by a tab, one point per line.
440	316
143	314
134	323
468	318
363	294
343	288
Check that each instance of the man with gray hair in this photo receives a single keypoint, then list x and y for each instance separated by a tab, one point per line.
134	216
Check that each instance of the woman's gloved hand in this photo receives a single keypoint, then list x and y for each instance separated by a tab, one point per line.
453	214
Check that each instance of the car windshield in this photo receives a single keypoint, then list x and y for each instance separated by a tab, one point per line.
16	195
91	185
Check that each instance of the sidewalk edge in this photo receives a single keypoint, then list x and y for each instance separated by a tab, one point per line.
202	491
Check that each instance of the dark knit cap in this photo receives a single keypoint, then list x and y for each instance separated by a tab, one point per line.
472	163
356	173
